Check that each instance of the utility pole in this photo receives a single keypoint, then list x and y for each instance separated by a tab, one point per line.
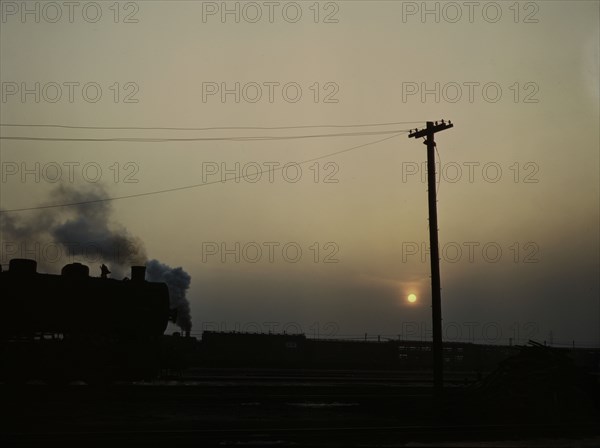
436	297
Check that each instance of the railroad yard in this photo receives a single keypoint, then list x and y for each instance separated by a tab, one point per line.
285	407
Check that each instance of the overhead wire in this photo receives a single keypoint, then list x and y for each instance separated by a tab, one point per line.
193	139
213	128
187	187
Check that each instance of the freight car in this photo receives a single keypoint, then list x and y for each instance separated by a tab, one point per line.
73	326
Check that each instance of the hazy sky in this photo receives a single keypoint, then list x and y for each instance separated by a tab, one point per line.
520	169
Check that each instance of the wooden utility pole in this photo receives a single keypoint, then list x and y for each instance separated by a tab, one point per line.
436	296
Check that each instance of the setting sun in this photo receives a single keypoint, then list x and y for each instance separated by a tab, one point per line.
412	298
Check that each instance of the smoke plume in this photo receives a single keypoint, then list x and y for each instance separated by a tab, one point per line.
85	233
178	282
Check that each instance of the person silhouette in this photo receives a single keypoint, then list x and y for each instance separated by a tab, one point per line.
104	271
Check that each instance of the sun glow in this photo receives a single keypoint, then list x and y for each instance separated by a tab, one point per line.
412	298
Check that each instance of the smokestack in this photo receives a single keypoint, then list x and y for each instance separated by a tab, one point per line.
22	266
138	273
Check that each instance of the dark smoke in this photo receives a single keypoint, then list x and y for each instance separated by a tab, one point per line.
178	282
82	232
90	223
85	233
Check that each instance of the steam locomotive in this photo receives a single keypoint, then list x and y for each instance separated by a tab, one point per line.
73	326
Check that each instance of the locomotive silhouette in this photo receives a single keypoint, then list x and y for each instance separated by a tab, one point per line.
73	326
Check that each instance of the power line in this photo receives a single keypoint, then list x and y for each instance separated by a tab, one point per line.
188	187
214	128
195	139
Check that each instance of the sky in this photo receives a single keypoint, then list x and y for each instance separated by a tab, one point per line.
324	235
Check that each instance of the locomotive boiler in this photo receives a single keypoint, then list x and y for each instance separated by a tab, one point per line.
73	325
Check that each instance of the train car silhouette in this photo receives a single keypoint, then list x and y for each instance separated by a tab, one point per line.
73	326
